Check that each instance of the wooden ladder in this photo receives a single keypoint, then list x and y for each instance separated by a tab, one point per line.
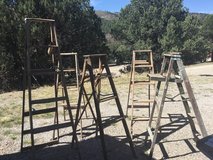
100	60
141	59
172	70
70	67
34	104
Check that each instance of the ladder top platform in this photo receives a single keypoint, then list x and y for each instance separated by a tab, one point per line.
94	55
38	20
68	54
136	51
173	54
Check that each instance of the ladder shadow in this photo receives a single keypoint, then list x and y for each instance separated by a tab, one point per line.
177	122
89	130
90	149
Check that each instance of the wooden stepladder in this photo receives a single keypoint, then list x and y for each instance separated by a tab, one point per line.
100	60
141	60
46	105
172	70
72	77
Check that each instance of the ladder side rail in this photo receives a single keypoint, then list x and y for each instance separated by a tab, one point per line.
27	25
56	85
154	103
120	109
23	105
130	85
192	98
151	61
132	91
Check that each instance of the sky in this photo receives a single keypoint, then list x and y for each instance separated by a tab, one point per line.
199	6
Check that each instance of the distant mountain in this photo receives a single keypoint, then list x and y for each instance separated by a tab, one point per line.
107	15
200	16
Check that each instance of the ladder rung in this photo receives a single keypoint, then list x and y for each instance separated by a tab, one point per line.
159	77
47	128
69	70
142	62
143	82
107	98
48	100
150	133
40	145
143	66
41	111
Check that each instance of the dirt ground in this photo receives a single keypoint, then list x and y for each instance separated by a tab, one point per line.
174	142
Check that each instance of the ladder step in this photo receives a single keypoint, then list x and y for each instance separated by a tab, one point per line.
159	77
48	100
142	82
41	111
48	128
107	98
142	62
143	66
70	70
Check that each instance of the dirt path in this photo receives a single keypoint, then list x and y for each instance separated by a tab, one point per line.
176	143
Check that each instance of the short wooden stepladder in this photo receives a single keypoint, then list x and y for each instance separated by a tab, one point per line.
88	74
43	106
142	60
172	70
72	72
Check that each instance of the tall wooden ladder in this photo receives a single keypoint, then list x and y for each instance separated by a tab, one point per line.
141	60
172	70
89	73
42	107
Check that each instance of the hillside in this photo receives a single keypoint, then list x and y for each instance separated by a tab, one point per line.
111	16
107	15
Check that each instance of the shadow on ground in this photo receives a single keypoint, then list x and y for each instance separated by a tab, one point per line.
90	149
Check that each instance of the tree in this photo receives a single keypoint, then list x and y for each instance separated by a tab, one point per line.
194	47
146	24
207	31
78	28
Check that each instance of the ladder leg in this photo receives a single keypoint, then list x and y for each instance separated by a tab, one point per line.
23	108
120	109
128	97
192	98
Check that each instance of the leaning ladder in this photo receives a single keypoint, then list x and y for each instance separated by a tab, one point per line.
172	70
95	79
57	71
141	59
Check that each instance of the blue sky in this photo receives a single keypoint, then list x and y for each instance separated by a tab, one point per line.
200	6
